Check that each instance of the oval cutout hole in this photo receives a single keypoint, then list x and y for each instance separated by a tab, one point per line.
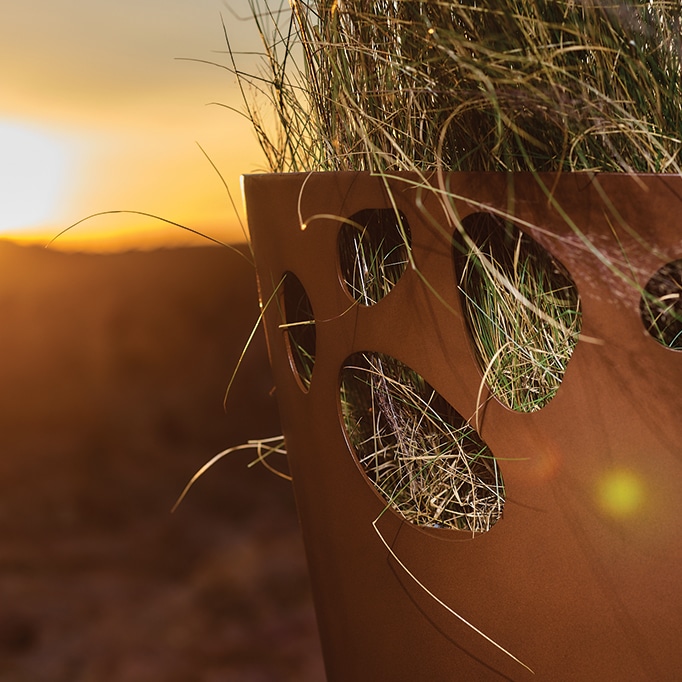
661	305
373	253
299	327
423	458
521	307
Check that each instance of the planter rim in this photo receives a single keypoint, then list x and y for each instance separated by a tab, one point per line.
434	173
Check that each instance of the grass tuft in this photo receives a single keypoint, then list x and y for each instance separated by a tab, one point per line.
383	85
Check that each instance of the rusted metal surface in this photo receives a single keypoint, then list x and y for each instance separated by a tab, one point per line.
580	578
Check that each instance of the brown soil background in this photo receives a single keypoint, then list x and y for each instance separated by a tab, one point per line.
112	375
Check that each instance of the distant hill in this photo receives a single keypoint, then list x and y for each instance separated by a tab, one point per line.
131	351
113	370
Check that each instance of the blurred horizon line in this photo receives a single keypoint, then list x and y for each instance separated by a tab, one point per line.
126	239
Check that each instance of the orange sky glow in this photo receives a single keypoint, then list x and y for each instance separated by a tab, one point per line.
101	111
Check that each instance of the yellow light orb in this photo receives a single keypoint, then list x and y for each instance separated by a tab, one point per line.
621	493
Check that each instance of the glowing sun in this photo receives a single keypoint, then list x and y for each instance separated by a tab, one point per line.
33	175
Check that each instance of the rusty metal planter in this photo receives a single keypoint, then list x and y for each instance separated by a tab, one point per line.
573	588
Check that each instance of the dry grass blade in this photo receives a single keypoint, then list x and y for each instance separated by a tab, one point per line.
263	447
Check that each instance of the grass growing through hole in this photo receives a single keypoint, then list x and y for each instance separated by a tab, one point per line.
425	459
661	305
298	323
523	348
373	248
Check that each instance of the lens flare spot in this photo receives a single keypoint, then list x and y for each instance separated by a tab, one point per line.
544	464
621	494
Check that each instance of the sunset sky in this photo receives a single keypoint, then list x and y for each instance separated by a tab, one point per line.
100	111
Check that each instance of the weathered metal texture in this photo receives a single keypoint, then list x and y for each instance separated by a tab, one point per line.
574	589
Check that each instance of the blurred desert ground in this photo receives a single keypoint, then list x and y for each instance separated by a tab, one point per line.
112	375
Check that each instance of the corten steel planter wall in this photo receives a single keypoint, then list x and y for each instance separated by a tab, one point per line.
574	592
